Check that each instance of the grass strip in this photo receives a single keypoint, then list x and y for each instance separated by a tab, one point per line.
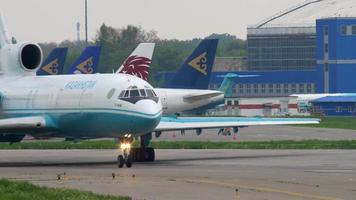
334	122
19	190
110	144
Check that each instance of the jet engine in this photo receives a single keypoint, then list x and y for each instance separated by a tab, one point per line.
20	59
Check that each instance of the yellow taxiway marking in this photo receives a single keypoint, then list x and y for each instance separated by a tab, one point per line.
264	189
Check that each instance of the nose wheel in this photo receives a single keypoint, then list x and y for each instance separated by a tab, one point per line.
126	157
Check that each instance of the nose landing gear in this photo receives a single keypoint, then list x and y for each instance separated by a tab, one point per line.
131	154
125	146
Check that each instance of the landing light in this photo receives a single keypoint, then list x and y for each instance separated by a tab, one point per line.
125	146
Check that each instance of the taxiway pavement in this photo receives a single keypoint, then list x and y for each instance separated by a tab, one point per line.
193	174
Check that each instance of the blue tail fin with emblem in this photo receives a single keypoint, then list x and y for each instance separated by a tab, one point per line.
88	61
53	65
196	69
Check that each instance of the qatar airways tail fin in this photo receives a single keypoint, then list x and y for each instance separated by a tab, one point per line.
138	63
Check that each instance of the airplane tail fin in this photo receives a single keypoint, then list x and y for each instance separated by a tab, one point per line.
139	61
53	65
228	82
4	34
196	69
87	62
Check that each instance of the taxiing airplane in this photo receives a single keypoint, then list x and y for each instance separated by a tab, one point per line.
53	64
90	106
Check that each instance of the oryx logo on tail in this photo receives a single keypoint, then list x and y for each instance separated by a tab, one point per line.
200	63
137	66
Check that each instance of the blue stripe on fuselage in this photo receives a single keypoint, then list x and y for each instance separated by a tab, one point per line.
94	122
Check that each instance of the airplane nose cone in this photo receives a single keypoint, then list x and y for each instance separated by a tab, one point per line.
152	111
149	107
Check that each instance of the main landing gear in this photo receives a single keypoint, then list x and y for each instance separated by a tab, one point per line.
131	154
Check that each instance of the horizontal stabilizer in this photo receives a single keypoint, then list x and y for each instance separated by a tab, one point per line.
232	75
198	97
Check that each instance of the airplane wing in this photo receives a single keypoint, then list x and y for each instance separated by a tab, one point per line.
198	97
186	123
25	123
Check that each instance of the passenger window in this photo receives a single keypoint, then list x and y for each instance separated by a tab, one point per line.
142	93
134	93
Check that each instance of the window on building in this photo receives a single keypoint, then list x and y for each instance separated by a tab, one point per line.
326	48
326	30
294	88
326	67
270	88
301	88
343	30
309	88
236	102
285	88
353	29
338	109
229	102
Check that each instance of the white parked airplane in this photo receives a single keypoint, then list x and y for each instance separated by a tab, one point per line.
175	100
89	106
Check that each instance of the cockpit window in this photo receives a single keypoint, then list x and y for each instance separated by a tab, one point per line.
142	93
126	94
150	93
122	94
134	93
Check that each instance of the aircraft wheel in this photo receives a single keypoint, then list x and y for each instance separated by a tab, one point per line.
120	161
129	161
150	152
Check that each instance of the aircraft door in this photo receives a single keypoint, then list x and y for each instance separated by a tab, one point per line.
164	100
29	100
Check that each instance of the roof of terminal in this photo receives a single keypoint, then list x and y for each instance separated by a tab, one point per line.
336	99
305	13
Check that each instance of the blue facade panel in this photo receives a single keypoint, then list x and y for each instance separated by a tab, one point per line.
336	55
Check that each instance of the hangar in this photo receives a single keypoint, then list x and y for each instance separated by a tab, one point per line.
308	48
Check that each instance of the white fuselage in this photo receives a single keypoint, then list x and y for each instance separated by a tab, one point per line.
174	101
81	104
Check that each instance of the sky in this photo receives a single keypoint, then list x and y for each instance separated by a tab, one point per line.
55	21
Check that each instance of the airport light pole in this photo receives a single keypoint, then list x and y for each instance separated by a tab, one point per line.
86	23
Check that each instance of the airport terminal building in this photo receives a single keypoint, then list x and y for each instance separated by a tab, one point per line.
309	48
